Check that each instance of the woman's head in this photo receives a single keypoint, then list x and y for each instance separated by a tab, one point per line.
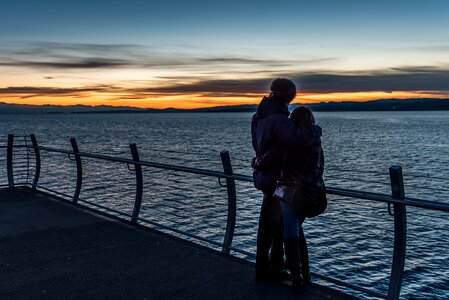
302	117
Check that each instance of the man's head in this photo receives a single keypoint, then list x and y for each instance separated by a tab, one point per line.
283	90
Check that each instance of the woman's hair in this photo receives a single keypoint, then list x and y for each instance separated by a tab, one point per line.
302	117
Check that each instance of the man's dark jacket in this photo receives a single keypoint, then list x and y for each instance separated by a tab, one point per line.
271	127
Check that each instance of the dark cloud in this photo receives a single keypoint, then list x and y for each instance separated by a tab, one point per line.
435	93
92	63
403	79
65	56
52	48
261	62
88	47
29	92
213	86
65	62
232	60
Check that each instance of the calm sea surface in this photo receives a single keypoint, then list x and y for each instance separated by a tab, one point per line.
352	241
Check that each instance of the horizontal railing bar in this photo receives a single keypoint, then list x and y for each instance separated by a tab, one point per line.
357	171
20	172
20	175
335	191
104	207
148	164
22	157
24	164
359	194
53	191
420	187
349	285
232	248
180	232
16	146
182	158
366	180
424	176
85	201
433	205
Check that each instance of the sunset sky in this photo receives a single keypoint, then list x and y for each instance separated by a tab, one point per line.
189	54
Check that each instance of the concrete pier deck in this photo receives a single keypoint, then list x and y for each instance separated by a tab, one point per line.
54	250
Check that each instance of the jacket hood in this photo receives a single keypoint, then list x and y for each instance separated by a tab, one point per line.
269	106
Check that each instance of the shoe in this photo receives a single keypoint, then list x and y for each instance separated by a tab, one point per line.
297	286
282	275
306	277
272	276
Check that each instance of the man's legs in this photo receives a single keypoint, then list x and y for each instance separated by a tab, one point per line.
277	247
269	235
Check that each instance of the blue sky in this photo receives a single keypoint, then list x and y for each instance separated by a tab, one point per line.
71	44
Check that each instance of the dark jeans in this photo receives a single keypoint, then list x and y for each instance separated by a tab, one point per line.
270	236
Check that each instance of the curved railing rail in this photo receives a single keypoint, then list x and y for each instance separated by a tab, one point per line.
397	199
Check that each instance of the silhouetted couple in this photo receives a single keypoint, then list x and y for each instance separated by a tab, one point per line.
284	143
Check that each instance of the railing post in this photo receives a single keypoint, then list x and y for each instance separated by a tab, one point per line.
9	153
232	202
400	233
139	183
79	170
37	154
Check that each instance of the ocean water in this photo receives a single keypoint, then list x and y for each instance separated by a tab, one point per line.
352	241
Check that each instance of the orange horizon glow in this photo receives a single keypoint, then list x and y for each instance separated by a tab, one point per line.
191	101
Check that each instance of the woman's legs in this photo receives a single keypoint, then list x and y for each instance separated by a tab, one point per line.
291	233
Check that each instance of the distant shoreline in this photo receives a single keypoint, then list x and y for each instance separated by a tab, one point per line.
426	104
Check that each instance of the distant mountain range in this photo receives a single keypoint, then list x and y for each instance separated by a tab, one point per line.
375	105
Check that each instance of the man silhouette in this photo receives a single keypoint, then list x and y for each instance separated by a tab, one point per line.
270	127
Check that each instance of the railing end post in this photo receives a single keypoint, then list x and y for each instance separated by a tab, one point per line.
397	182
139	182
9	160
37	157
79	170
400	233
232	202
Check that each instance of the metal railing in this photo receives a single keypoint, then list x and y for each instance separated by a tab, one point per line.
397	202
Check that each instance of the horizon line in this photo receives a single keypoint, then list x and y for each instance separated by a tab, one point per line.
209	107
